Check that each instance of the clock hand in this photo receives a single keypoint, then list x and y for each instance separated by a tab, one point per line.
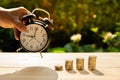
36	39
19	49
29	41
35	32
30	36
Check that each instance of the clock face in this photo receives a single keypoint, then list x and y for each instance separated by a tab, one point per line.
35	38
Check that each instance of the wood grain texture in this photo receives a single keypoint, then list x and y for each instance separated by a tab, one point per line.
23	66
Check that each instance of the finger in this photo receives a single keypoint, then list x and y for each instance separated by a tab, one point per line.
20	12
20	26
16	33
23	12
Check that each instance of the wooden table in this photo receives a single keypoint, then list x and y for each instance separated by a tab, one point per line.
23	66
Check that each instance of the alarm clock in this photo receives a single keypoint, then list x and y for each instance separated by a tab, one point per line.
37	36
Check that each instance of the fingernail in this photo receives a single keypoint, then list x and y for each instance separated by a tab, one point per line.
16	38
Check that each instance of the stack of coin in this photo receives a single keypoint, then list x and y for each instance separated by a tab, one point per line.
79	63
58	67
92	62
69	64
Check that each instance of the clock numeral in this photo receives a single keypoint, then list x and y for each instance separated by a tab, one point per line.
23	40
43	35
41	31
36	28
44	40
40	44
23	34
31	46
37	46
31	28
26	44
27	31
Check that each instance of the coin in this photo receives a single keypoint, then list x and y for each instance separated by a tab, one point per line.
58	67
69	64
92	62
79	63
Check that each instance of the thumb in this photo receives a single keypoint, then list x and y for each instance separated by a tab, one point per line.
16	33
20	26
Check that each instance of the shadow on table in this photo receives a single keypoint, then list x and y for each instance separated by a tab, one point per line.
83	71
97	72
31	73
71	71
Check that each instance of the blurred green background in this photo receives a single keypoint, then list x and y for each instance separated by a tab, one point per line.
79	25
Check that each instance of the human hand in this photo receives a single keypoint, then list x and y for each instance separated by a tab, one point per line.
12	18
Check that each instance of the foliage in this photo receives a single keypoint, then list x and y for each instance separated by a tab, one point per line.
56	50
91	18
72	47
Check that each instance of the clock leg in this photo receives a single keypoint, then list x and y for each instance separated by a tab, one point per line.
41	54
19	49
